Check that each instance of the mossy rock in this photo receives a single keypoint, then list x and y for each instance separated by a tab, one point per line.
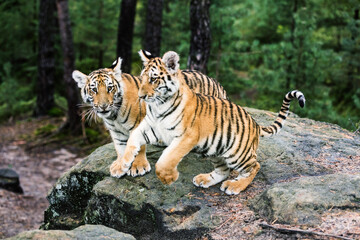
140	206
146	208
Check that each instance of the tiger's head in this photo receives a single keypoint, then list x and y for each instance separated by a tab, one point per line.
101	89
158	76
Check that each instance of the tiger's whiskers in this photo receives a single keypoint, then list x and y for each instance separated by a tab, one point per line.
88	113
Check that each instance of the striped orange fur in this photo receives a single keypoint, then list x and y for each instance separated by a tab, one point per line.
113	96
186	121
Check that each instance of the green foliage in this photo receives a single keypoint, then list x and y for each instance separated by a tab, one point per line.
45	130
260	50
55	112
95	25
15	99
280	47
92	135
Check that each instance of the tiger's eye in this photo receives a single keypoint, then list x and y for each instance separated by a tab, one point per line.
152	79
109	88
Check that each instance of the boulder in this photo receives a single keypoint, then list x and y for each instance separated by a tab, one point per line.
140	206
304	151
90	232
303	201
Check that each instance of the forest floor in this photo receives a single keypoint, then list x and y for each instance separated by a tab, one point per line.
40	156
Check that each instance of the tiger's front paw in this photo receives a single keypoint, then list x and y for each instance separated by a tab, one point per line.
232	187
139	168
167	175
203	180
118	169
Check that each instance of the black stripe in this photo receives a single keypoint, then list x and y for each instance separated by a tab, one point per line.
136	121
242	163
181	133
281	116
219	145
196	109
135	80
152	130
176	124
121	141
209	87
146	137
202	84
240	115
172	109
278	123
118	131
127	116
215	122
186	78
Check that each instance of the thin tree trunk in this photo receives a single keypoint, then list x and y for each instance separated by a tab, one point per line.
73	118
153	26
125	33
46	59
200	41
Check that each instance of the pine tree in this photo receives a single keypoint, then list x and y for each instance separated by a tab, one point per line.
125	33
46	60
153	26
73	122
200	41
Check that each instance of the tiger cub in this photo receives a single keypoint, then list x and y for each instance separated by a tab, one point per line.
113	96
185	121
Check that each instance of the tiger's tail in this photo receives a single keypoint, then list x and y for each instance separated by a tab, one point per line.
284	111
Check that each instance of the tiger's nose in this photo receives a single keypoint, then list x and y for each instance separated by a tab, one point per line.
103	107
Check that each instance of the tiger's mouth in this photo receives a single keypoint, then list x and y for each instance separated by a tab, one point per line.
103	112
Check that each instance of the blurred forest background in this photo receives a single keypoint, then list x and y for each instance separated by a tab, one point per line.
257	49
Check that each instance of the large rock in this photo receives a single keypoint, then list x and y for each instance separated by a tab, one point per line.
303	201
89	232
145	208
142	206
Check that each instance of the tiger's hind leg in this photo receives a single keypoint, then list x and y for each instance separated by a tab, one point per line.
246	176
220	173
140	166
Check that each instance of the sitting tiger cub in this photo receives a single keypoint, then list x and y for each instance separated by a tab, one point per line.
113	96
185	121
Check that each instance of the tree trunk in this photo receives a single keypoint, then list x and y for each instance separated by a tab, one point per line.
46	59
200	41
153	26
125	33
73	122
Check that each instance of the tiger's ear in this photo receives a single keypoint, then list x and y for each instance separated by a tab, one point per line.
116	66
145	56
80	78
171	60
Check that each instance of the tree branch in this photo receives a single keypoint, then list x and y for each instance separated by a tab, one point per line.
305	232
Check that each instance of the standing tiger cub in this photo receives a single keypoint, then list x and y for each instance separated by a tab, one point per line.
113	96
185	121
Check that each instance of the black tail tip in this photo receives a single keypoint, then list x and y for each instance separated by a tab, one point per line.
302	101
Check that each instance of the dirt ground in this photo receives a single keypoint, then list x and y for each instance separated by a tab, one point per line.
40	160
